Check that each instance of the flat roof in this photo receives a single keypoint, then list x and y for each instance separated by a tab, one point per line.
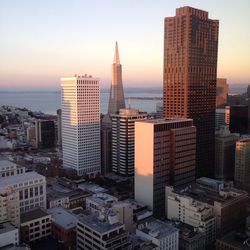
165	121
202	193
63	217
92	221
33	215
7	227
6	163
15	179
230	239
101	198
159	229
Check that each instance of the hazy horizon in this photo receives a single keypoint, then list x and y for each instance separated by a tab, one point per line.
42	41
157	88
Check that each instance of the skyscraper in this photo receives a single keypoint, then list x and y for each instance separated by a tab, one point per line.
106	144
123	138
116	97
165	152
190	68
80	102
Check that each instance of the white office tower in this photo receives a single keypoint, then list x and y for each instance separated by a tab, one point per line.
80	103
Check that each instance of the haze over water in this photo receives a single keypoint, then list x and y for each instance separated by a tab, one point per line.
49	101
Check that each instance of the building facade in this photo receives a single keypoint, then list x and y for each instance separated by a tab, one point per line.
64	226
227	203
80	103
106	144
9	235
59	127
165	153
190	211
190	70
221	92
9	206
220	118
242	164
9	168
240	119
101	232
123	137
31	189
225	154
45	134
35	225
164	235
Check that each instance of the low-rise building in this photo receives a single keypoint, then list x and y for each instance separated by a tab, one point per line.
9	206
8	234
190	238
63	226
35	224
77	198
233	241
242	164
31	187
9	168
192	212
101	231
99	201
163	234
227	203
57	199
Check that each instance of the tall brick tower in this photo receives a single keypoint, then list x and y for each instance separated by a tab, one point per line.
190	71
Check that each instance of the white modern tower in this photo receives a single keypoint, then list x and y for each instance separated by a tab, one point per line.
80	103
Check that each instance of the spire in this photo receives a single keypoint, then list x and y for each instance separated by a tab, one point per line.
116	57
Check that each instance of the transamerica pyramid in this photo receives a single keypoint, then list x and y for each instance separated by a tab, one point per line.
116	97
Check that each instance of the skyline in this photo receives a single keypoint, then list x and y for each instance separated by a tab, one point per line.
44	41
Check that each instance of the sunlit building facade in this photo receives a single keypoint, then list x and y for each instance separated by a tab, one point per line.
242	164
165	154
123	137
80	103
190	70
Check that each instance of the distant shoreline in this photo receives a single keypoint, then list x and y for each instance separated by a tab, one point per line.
233	89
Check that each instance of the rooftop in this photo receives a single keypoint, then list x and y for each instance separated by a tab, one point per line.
236	239
94	188
159	229
6	227
165	121
33	215
188	232
102	198
210	191
63	218
6	163
97	224
15	179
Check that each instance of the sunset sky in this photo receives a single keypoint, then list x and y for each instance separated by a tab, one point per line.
44	40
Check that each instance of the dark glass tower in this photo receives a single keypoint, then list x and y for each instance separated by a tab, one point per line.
190	69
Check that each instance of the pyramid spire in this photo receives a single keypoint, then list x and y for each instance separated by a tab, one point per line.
116	97
116	57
